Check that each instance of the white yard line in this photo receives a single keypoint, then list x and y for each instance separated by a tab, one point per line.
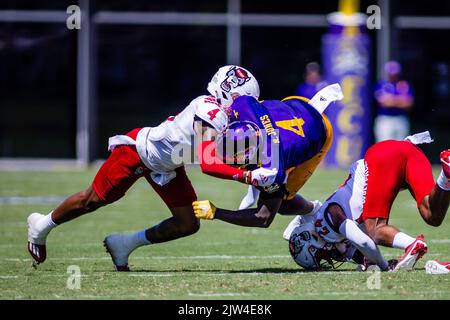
211	257
206	257
9	277
340	293
218	294
439	240
400	253
156	275
14	200
207	274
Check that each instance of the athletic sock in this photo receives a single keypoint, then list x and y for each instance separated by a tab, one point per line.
46	224
136	240
443	182
402	241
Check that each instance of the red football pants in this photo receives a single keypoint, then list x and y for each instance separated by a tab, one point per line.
124	167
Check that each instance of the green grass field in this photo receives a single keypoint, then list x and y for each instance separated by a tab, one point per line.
221	261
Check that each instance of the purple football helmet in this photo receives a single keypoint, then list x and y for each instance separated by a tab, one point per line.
238	143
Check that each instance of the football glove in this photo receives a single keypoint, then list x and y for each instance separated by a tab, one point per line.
204	209
263	177
250	198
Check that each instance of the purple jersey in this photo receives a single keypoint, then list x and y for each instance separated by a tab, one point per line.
395	88
293	128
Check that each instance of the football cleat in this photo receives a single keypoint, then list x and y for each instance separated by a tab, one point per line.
204	209
392	264
297	221
36	238
445	162
119	252
413	253
310	217
437	267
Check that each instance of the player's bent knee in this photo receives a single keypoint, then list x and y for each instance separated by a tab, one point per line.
434	221
89	200
428	216
187	229
194	227
266	223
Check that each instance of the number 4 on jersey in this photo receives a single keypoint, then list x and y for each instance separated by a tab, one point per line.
291	124
212	114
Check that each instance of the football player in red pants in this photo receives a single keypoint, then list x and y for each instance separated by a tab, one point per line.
393	166
359	210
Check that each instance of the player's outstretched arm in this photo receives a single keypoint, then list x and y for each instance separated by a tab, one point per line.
260	217
211	165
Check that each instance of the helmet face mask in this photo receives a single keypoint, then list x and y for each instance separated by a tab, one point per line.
238	144
230	82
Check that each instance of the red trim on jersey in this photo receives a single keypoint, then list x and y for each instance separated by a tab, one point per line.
214	166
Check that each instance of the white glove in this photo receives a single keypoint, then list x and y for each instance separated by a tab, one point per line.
263	177
250	198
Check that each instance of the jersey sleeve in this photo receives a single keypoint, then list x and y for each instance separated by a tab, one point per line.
210	111
213	166
241	109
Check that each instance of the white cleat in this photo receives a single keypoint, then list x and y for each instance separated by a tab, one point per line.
298	220
291	226
412	254
437	267
115	246
36	238
317	206
310	217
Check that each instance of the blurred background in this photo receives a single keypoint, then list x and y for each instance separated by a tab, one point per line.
64	91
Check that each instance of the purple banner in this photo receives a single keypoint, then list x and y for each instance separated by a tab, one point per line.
346	60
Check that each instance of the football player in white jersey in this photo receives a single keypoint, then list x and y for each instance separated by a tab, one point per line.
153	153
358	212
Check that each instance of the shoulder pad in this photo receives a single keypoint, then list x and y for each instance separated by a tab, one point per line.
210	111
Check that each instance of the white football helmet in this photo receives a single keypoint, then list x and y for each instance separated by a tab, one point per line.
310	251
230	82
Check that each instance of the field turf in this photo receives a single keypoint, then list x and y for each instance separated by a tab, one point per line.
221	261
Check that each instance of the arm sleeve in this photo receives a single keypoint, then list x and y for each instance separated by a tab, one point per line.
213	166
363	242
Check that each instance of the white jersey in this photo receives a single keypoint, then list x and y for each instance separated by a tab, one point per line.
163	148
350	197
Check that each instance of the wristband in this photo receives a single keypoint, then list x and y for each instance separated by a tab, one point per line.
247	177
443	182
